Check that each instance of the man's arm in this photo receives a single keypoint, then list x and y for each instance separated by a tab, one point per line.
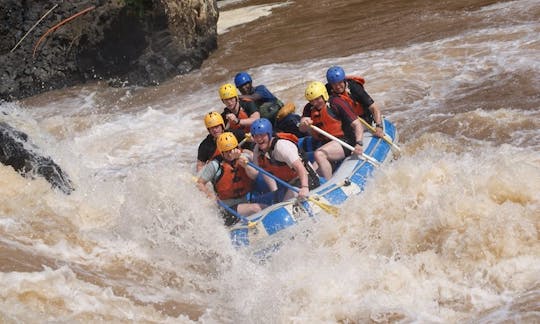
377	117
252	97
305	121
298	166
205	175
200	165
201	185
246	122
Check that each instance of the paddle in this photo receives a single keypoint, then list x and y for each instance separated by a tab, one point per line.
386	138
345	145
246	138
249	223
230	210
327	208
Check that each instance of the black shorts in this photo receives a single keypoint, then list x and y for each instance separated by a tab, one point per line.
349	141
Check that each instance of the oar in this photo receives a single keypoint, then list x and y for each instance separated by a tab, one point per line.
230	210
236	214
246	138
345	145
386	138
327	208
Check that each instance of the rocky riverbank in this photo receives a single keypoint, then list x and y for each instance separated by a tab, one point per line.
47	45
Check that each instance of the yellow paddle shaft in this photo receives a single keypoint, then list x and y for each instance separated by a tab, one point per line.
386	138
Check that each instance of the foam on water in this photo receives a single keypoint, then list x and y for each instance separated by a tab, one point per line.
447	233
234	17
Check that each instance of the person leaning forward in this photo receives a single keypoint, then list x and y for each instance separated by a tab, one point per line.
351	89
279	155
231	182
239	113
268	105
335	116
207	148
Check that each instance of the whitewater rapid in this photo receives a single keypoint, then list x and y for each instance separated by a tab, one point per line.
447	233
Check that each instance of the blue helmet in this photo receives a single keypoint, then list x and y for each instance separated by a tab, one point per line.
241	78
261	126
335	74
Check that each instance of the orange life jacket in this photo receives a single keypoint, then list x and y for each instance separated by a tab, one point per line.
347	96
241	115
278	168
233	181
325	121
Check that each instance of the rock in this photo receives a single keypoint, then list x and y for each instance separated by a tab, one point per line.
18	152
134	42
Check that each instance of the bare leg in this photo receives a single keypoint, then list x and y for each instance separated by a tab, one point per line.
331	151
246	209
289	194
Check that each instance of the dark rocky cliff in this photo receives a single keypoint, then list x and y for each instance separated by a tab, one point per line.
136	42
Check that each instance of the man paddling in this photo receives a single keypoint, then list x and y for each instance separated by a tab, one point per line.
351	89
279	155
230	181
335	116
267	104
239	113
207	148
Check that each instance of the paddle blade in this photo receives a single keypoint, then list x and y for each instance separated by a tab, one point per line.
329	209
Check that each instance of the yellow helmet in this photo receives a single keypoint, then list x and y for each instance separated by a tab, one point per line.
226	142
213	119
316	89
227	91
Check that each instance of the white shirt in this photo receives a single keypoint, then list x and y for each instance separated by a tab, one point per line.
284	151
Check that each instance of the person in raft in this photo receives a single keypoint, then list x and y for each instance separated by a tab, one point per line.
279	155
267	104
231	182
239	113
207	148
335	116
351	89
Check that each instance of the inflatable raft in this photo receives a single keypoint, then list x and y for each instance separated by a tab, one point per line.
348	180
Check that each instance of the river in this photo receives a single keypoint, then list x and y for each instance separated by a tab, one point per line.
447	233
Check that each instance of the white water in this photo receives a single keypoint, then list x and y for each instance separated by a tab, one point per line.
447	233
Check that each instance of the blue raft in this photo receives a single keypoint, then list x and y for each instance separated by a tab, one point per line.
348	180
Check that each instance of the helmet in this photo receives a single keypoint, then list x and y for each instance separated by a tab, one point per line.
316	89
261	126
227	91
335	74
242	78
226	142
213	119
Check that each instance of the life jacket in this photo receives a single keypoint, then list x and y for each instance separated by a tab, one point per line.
351	96
278	168
357	79
324	120
233	181
241	115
